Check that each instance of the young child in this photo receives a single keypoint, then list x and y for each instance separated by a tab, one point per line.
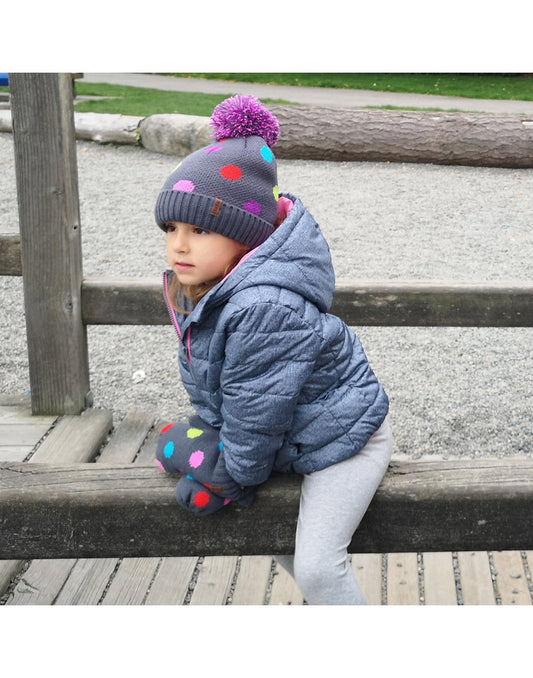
276	381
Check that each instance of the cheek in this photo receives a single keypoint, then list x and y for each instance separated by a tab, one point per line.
216	265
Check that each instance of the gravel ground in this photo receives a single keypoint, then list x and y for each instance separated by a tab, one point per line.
453	391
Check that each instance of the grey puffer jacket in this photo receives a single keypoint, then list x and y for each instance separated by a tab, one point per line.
288	385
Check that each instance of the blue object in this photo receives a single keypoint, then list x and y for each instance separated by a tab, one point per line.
287	382
4	80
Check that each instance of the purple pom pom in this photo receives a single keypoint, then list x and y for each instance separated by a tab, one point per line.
244	116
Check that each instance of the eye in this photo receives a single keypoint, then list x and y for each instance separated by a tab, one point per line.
169	228
201	231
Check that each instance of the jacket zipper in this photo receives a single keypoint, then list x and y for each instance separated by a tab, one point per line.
186	343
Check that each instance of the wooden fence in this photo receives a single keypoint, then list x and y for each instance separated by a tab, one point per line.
95	510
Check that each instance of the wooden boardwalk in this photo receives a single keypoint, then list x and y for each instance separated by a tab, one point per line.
463	578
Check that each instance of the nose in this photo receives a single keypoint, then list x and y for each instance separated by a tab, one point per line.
180	240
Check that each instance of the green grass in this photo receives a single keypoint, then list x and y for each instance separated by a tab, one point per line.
144	102
477	86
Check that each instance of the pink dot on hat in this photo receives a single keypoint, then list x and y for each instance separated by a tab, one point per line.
252	206
183	185
231	172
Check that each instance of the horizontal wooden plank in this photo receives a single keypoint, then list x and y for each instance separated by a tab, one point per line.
134	301
10	257
123	301
138	301
22	434
75	438
434	304
99	510
20	413
14	452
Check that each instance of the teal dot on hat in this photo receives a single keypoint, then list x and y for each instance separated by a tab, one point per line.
169	449
267	154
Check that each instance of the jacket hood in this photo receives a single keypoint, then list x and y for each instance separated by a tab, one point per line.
295	257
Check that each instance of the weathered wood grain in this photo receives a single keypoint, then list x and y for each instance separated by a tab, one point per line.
284	590
128	438
402	579
42	582
252	582
215	576
511	578
439	579
367	568
75	439
20	431
171	582
419	304
86	582
130	301
476	139
8	570
89	578
476	580
131	581
95	510
49	220
139	301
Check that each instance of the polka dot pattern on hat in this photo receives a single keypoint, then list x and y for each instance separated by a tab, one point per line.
231	173
184	185
267	154
229	187
252	206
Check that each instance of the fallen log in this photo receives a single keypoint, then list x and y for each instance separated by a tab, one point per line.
311	133
404	136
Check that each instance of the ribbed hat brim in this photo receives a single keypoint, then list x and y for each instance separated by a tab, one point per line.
197	209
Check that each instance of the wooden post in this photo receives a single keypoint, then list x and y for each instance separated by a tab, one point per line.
47	188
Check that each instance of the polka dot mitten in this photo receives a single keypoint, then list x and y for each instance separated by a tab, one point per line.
192	495
194	450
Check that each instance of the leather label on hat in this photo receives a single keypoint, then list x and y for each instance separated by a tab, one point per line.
216	207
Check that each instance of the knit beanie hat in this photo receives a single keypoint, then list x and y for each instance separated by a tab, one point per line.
229	187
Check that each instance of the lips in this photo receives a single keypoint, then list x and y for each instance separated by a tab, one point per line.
182	266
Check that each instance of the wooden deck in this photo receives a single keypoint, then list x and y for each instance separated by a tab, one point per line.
464	578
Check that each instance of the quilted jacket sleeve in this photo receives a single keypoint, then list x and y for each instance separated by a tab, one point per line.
270	353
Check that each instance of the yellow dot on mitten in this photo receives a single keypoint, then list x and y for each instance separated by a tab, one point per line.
194	432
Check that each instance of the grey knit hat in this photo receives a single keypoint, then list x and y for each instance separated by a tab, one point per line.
229	187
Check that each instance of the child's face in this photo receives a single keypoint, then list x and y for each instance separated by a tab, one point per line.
198	256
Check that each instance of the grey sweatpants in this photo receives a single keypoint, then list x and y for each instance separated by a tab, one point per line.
332	504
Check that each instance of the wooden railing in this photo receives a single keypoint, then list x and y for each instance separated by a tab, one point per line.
95	510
